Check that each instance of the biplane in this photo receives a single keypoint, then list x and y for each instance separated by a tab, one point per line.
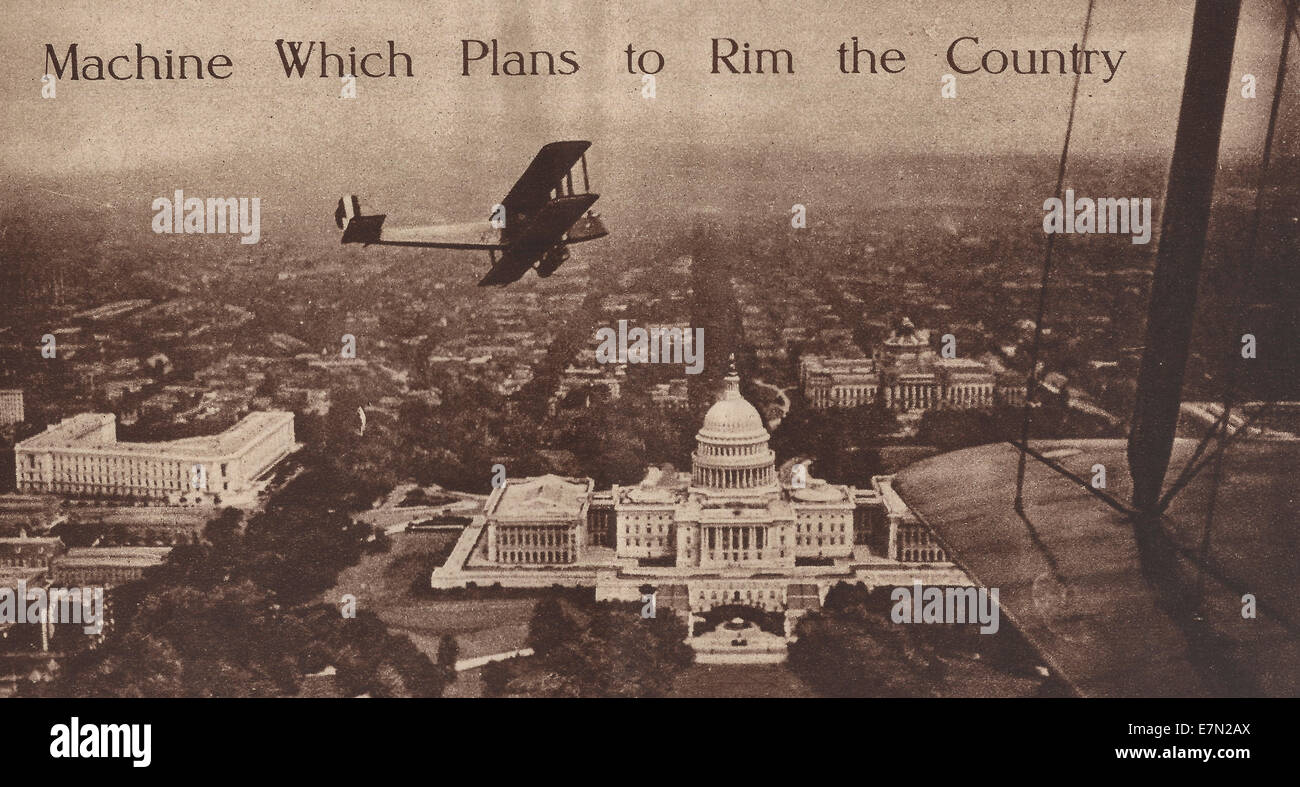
531	228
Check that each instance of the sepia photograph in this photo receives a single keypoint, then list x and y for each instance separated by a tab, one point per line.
907	352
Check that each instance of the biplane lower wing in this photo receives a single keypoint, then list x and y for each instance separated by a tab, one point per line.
544	232
548	225
509	267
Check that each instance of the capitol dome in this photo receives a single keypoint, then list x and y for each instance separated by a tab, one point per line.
731	447
732	417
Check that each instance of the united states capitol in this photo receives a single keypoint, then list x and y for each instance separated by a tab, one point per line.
736	530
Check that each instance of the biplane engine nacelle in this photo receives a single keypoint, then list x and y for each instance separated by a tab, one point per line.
552	259
589	227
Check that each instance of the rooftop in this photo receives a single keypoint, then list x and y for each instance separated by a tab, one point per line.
544	497
113	556
85	431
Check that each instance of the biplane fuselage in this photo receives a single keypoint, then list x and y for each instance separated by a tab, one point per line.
487	236
541	216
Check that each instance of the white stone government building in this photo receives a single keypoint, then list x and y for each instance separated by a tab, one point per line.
904	373
81	457
734	530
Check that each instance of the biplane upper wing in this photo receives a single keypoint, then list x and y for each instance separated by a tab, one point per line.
546	172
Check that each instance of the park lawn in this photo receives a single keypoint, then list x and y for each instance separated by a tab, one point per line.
739	680
385	584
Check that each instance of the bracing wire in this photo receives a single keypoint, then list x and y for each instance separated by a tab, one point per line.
1031	382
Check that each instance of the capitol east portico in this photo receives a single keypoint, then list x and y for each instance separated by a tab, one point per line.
736	529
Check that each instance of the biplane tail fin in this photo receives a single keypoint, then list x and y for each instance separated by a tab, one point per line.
349	207
356	227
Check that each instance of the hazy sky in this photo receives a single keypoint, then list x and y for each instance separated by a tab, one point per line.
109	125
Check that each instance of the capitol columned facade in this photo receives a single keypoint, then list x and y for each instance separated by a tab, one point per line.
736	529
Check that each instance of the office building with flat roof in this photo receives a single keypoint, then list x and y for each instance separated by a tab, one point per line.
81	457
